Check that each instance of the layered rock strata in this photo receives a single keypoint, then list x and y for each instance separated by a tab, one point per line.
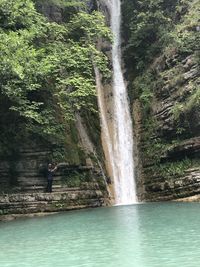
80	181
13	205
170	144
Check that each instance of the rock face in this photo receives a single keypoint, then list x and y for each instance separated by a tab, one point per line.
51	11
75	185
169	144
54	12
184	186
79	182
164	89
33	203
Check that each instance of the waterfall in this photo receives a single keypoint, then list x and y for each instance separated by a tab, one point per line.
117	133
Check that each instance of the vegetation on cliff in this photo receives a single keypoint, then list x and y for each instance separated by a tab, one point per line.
46	69
162	57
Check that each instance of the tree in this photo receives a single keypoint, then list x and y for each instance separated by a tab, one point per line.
147	27
46	68
39	57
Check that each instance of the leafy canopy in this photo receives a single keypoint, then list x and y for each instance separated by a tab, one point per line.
47	68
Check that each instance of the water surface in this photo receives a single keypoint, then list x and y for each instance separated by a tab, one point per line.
146	235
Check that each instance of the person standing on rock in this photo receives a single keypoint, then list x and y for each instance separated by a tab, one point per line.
50	173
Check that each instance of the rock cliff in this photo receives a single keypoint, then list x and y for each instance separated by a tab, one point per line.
171	155
167	115
80	181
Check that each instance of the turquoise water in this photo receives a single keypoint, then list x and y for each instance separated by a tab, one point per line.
146	235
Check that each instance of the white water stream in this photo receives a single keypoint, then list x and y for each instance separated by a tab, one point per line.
118	142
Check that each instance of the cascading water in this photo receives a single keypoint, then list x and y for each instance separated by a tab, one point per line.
117	133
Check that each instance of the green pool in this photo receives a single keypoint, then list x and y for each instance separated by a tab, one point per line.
145	235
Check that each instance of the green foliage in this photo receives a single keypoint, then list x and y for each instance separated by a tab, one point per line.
151	26
89	27
155	150
175	169
143	89
147	24
162	56
168	73
68	3
46	69
15	15
186	37
190	103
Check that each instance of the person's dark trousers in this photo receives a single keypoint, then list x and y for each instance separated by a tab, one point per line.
49	185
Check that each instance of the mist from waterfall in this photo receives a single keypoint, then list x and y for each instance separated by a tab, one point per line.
118	137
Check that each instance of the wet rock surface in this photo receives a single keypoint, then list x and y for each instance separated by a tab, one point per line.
15	205
175	188
170	158
74	186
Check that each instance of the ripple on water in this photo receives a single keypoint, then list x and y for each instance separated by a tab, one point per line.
146	235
